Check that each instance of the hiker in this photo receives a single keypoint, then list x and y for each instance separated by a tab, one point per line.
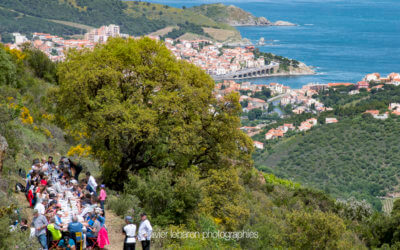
91	183
24	225
102	197
36	165
100	218
41	207
49	165
93	229
58	219
54	229
130	231
76	169
39	222
145	230
66	243
74	227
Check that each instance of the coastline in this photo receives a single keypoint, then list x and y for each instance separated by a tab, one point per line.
302	70
216	78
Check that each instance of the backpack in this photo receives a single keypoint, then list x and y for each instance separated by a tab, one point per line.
19	187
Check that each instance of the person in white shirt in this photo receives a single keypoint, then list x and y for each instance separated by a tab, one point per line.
130	231
41	207
91	183
88	209
49	165
145	230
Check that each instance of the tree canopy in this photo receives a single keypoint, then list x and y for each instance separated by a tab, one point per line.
7	69
140	108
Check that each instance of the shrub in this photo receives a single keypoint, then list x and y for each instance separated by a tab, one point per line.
123	205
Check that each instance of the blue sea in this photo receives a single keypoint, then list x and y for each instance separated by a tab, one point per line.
343	40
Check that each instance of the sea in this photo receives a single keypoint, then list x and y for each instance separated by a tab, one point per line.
344	39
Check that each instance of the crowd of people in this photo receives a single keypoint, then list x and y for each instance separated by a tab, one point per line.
68	213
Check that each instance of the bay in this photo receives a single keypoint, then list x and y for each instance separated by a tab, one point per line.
343	40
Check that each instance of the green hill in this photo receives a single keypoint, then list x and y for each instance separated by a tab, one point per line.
65	17
12	21
359	156
230	14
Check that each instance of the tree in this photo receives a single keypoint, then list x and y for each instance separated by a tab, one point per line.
288	109
264	94
254	114
141	107
316	230
244	103
8	70
42	66
271	107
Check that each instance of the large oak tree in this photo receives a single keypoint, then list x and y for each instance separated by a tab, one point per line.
141	107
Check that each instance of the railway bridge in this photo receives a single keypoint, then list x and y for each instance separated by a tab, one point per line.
249	73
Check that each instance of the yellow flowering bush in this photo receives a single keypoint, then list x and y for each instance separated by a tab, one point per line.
217	221
26	116
47	133
49	117
17	54
80	150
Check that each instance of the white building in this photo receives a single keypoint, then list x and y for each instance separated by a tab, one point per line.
330	120
19	39
258	145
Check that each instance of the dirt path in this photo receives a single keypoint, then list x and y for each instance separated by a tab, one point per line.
114	226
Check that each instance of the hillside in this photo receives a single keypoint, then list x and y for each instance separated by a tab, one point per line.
175	200
68	16
12	21
191	170
234	16
356	157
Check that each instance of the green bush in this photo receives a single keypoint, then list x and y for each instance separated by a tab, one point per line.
123	205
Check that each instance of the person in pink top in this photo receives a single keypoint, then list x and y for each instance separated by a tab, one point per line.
103	197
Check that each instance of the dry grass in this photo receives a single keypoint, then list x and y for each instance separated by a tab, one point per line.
75	25
191	36
220	34
164	31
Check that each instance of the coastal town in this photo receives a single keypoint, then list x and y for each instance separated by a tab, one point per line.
219	60
213	57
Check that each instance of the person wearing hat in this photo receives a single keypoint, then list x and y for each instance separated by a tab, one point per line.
145	230
103	197
39	222
57	217
41	206
36	165
93	228
99	216
130	231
